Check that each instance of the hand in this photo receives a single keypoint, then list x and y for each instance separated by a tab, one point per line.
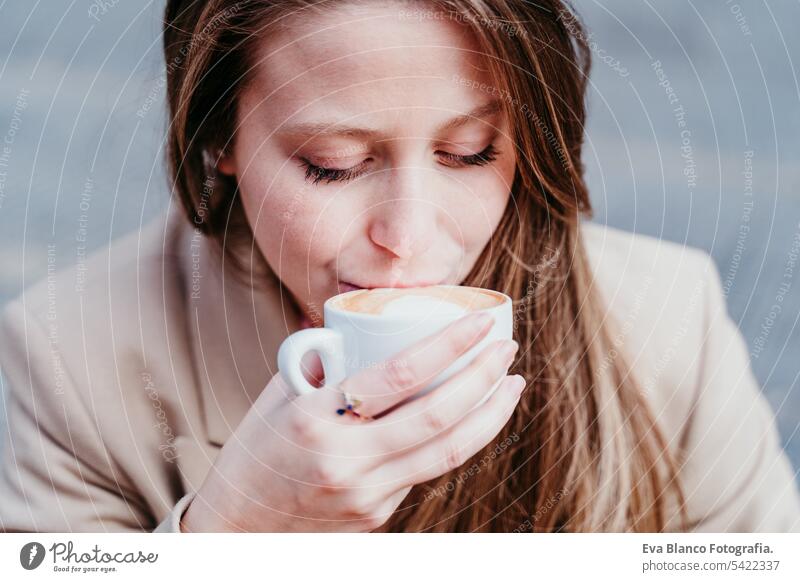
293	464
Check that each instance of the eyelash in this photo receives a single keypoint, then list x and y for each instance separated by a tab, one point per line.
317	174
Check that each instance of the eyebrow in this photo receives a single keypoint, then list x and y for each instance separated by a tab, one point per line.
320	129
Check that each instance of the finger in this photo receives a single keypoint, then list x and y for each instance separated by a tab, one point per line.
465	440
434	413
311	367
385	385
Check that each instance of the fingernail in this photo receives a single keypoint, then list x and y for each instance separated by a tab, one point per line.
509	348
517	383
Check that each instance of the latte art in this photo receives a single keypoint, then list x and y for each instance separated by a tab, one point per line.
446	298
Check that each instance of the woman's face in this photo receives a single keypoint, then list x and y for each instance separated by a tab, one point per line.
367	153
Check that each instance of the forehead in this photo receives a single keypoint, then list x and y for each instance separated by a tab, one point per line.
386	58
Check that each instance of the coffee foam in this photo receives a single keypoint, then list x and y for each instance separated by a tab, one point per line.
434	300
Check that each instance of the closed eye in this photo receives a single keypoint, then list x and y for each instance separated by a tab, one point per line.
487	156
316	174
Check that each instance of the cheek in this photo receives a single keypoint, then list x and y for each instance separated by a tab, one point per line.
499	183
488	191
489	194
291	221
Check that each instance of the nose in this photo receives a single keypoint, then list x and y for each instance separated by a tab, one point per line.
404	221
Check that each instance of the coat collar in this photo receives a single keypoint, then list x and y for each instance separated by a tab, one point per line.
235	330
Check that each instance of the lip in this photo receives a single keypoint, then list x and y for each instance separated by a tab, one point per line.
346	286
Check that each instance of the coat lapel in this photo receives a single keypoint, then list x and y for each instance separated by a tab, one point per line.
235	331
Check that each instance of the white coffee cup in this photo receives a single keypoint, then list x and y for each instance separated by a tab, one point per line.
352	340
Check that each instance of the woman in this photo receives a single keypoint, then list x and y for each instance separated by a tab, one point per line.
318	147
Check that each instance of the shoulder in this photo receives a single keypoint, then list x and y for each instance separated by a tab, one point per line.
650	282
85	329
626	257
93	356
125	270
672	320
660	297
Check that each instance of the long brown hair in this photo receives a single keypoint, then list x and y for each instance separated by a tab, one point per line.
582	451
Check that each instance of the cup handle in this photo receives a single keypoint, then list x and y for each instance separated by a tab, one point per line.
327	342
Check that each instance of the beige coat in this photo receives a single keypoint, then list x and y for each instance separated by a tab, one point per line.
126	376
